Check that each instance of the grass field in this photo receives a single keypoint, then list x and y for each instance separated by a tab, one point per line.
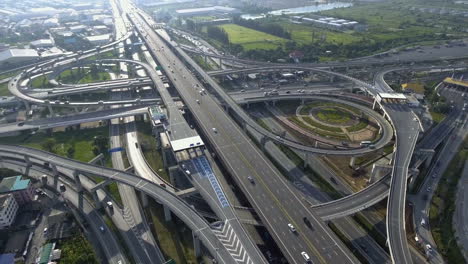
40	82
306	34
333	115
80	140
76	77
4	89
252	39
77	250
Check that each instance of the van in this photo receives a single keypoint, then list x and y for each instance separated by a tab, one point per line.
306	257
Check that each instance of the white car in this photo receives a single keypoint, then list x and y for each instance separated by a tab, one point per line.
292	228
306	257
215	130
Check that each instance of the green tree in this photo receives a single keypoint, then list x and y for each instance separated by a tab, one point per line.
49	145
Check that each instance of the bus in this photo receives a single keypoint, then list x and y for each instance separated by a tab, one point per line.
365	143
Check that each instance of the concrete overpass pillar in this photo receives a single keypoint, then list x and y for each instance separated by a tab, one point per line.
306	159
97	203
378	171
27	160
51	112
374	104
26	105
206	59
274	102
263	141
220	62
302	101
144	199
167	214
76	177
196	244
352	162
430	155
332	78
44	180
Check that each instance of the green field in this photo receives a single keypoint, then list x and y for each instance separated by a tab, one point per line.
4	89
77	250
333	115
252	39
306	34
75	76
81	141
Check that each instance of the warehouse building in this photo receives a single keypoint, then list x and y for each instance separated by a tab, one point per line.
16	56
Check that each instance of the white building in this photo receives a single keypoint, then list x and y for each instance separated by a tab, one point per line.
8	209
78	29
99	39
42	43
14	56
51	22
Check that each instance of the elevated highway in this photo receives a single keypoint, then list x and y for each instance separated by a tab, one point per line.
273	199
184	211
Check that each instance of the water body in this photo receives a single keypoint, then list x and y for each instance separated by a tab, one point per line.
300	10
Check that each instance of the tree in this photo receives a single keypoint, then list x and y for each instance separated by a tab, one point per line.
49	145
101	144
70	152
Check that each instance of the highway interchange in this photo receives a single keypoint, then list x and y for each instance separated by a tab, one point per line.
275	200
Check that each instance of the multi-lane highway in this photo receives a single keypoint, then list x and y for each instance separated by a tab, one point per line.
271	195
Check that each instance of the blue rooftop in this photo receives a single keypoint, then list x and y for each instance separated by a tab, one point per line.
14	183
7	258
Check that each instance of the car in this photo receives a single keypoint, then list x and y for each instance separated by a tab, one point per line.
251	179
102	229
291	228
428	247
110	205
21	124
187	172
288	92
62	187
136	145
198	101
45	230
307	222
428	189
215	130
100	102
242	90
162	184
306	257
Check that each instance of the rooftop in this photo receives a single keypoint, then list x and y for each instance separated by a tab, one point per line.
392	96
14	183
42	42
206	9
10	53
98	37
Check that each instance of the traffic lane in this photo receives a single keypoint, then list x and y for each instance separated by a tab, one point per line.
275	221
228	128
224	119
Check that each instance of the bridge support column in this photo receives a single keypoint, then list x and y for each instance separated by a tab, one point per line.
220	62
332	79
206	59
374	104
196	244
302	101
76	177
28	161
44	180
51	112
167	214
97	203
26	105
430	155
378	171
352	162
263	141
76	109
144	199
274	103
306	159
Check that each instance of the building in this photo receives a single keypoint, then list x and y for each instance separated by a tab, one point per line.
42	43
330	23
203	11
15	56
99	39
22	189
8	258
51	22
101	29
78	29
8	209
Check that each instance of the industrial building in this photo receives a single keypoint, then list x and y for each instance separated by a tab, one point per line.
42	43
15	56
99	39
330	23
